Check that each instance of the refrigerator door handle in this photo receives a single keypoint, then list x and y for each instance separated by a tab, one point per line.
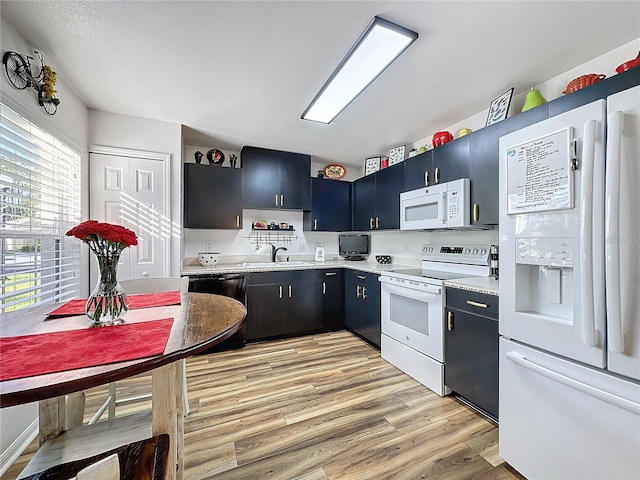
589	332
587	389
612	232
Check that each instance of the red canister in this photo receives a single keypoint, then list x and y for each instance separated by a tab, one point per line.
440	138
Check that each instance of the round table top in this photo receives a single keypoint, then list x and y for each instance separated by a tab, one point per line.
200	322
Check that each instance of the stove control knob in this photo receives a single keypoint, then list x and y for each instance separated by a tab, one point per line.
483	251
475	251
467	251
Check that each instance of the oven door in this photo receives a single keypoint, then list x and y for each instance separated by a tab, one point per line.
414	316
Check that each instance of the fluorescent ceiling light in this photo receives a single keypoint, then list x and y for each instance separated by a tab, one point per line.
375	50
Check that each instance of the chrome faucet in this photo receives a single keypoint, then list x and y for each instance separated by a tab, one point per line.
275	250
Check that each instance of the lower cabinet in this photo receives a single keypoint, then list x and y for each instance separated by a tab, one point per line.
471	347
282	303
331	287
362	305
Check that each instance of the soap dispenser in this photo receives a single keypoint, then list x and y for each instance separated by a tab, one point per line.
319	252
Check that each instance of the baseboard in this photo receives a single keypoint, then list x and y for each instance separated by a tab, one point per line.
20	444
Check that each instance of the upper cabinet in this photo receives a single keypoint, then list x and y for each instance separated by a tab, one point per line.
212	197
376	199
484	163
330	206
450	161
275	179
441	164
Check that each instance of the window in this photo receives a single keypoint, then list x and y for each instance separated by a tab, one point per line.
39	201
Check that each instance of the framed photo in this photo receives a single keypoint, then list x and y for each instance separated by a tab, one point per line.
396	154
499	108
371	165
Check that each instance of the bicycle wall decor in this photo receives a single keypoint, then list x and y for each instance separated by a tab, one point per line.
18	69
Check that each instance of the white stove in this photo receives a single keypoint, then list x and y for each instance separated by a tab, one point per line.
412	309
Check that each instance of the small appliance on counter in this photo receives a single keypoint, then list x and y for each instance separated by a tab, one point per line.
493	261
319	253
353	246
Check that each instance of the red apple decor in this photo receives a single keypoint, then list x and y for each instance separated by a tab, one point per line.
440	138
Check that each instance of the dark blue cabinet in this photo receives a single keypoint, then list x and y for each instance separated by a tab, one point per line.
376	199
362	305
330	206
417	171
212	197
451	161
275	179
471	347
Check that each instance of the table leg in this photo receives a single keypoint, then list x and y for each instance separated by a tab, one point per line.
51	418
167	414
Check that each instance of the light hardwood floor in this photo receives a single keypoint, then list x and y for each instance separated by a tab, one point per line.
320	407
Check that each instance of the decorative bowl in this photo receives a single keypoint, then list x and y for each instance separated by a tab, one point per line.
629	65
208	259
440	138
383	258
583	81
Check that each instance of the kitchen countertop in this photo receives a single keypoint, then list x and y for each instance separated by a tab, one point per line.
488	285
363	266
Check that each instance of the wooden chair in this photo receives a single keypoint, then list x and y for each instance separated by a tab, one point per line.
142	460
75	403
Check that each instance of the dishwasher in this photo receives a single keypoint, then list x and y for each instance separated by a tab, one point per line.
232	285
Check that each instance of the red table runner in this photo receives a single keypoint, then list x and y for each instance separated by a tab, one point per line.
31	355
144	300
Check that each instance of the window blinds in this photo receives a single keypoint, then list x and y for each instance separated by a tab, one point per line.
39	202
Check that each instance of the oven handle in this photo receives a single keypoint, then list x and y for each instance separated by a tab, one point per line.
410	291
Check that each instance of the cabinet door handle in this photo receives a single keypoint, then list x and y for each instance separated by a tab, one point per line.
280	291
437	175
426	178
324	288
362	277
282	200
364	293
237	221
358	287
289	291
276	200
330	274
315	223
476	212
377	223
449	321
477	304
371	223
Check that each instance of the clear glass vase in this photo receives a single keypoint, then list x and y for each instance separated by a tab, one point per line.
108	302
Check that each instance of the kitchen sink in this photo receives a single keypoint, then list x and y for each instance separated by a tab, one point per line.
275	264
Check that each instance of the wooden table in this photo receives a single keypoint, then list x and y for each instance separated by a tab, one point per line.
201	321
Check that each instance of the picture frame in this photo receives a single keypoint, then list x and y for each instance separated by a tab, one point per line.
499	108
371	165
397	154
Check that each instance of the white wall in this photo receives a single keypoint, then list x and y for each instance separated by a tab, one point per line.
69	125
551	89
136	133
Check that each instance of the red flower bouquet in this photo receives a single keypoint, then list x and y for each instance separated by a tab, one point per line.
108	301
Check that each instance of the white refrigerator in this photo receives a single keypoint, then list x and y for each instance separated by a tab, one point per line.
570	293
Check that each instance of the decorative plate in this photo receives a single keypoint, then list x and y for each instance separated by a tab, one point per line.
371	165
396	155
215	157
335	171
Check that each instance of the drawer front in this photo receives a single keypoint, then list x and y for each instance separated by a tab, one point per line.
473	302
288	276
326	275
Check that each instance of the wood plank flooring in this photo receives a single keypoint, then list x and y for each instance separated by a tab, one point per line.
316	408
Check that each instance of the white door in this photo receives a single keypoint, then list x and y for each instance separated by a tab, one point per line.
622	223
132	192
551	230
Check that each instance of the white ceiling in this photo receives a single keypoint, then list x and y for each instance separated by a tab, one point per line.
242	72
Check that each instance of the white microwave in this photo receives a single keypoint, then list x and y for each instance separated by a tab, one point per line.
445	205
